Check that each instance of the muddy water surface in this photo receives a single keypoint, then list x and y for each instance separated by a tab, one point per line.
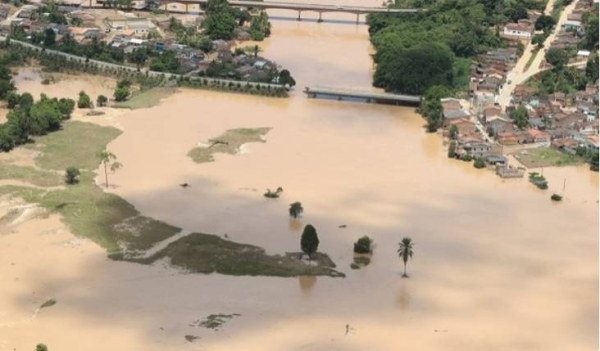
497	266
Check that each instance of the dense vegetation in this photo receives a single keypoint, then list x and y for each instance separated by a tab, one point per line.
223	20
417	51
27	118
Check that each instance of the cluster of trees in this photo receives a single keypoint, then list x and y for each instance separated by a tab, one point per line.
222	20
28	118
260	27
520	117
122	91
431	107
562	78
590	156
190	36
417	51
166	62
243	87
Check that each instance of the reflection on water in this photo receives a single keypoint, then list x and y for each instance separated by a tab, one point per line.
403	296
307	282
295	225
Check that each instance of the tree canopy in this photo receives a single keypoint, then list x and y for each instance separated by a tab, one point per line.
309	242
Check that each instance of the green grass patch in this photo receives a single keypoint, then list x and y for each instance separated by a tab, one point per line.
205	253
146	98
31	175
546	157
532	58
105	218
77	144
228	143
48	303
215	321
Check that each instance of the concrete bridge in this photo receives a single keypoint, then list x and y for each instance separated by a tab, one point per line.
369	96
318	8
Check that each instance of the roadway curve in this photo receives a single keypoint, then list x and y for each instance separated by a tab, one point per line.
519	74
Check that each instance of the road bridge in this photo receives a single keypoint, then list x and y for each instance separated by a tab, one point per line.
318	8
369	96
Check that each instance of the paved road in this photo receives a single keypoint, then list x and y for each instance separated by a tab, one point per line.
518	74
133	69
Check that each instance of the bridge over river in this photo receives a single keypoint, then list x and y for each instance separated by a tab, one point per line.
318	8
368	96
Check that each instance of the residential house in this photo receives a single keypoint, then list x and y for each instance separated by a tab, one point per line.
500	124
572	25
592	142
450	104
588	109
454	114
539	137
477	149
464	125
565	145
518	30
582	55
4	12
87	33
483	98
563	120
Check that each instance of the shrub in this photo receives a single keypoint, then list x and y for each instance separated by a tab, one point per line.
296	209
479	163
466	158
556	197
273	194
72	175
363	245
538	180
84	100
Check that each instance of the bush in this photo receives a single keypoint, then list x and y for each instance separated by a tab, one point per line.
273	194
538	180
363	245
556	197
84	100
72	175
466	158
479	163
41	347
101	100
121	94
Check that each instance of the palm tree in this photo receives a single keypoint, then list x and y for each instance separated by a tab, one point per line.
109	160
405	251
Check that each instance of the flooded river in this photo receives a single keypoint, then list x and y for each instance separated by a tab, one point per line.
497	266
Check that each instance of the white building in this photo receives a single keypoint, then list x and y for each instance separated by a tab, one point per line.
518	30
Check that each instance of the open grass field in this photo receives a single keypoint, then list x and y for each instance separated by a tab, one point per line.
205	253
146	99
31	175
77	144
546	157
228	143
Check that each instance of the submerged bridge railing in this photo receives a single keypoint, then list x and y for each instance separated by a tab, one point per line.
368	96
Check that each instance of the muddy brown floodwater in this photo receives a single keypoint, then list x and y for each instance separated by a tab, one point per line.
497	266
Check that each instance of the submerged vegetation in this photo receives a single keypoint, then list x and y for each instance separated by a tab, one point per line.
538	180
205	253
228	143
215	321
118	227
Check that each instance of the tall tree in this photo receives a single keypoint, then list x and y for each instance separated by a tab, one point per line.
309	242
109	160
405	251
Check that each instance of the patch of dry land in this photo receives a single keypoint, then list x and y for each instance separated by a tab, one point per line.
230	142
496	265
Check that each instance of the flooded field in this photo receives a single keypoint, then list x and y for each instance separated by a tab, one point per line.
497	266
